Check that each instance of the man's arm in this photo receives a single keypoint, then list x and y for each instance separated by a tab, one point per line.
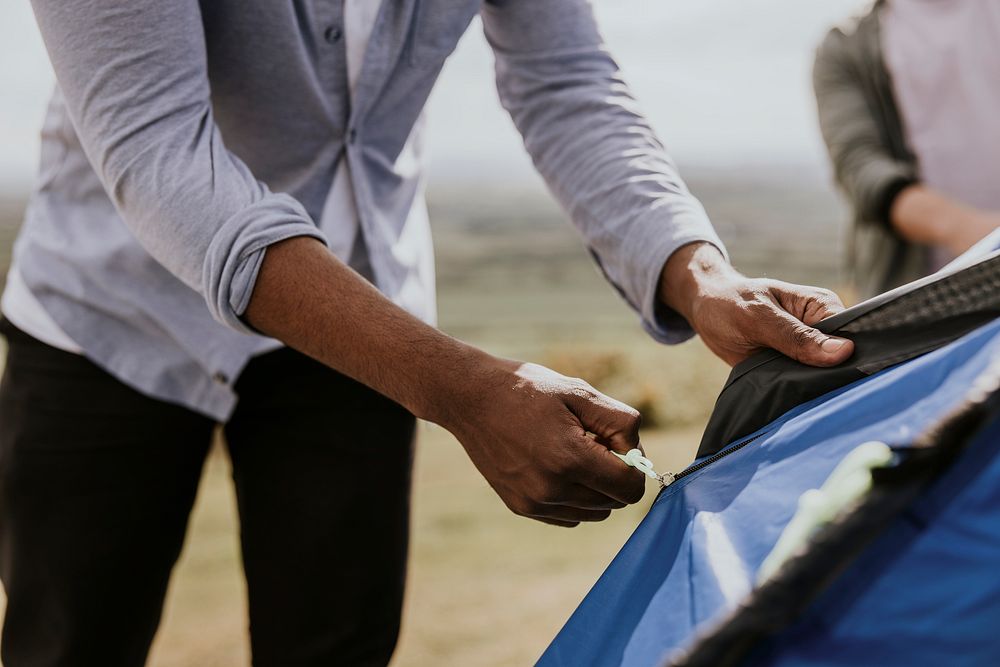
133	75
737	316
923	215
882	189
525	427
863	164
604	163
134	79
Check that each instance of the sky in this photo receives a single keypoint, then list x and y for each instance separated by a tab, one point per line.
725	83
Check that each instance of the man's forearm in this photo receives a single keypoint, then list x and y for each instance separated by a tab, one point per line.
524	427
307	298
921	215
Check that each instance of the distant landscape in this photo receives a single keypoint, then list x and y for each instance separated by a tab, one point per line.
488	588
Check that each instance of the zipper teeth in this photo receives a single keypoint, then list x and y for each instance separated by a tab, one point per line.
715	457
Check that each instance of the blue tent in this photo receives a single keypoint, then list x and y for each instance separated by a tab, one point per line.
908	575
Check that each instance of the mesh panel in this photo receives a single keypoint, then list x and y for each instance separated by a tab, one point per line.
971	290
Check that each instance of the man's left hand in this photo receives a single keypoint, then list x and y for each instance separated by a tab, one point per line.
737	316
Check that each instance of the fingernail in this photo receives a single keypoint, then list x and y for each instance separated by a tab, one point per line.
832	345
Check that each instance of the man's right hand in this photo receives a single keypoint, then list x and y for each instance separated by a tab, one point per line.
544	441
539	438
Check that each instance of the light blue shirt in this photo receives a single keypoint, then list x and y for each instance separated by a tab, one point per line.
184	138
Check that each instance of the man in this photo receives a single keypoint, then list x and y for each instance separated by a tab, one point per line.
907	96
262	158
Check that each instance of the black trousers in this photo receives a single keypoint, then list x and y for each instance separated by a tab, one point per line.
97	482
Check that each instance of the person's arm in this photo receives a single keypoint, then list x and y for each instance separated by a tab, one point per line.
864	166
134	79
881	188
737	316
133	75
923	215
602	160
524	426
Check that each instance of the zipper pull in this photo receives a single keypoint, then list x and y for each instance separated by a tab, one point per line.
635	459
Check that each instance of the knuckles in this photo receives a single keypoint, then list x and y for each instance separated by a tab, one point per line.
759	306
581	389
827	296
631	419
830	303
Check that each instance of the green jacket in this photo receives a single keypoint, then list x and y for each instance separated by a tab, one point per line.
866	140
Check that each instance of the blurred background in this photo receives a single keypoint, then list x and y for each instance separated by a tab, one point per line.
727	86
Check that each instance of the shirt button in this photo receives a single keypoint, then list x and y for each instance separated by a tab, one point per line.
333	34
352	135
221	378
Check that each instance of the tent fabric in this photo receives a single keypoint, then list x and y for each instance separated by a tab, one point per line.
889	329
926	593
923	593
906	489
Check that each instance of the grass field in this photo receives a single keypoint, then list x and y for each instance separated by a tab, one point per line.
487	588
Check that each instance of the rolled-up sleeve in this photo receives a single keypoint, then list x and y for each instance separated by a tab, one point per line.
134	77
595	149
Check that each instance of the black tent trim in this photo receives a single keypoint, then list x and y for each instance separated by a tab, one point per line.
892	328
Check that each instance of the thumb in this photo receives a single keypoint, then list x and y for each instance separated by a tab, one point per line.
615	424
801	342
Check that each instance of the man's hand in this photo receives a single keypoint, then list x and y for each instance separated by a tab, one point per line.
542	441
737	316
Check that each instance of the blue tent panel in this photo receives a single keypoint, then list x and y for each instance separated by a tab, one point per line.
924	593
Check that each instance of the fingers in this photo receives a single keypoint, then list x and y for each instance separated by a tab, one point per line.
579	504
793	338
781	316
588	499
561	476
615	424
571	516
569	504
556	522
606	474
582	497
586	487
809	305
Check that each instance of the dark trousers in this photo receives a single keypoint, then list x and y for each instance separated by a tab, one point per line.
97	482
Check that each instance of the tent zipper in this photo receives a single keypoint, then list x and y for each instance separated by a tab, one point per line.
666	479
